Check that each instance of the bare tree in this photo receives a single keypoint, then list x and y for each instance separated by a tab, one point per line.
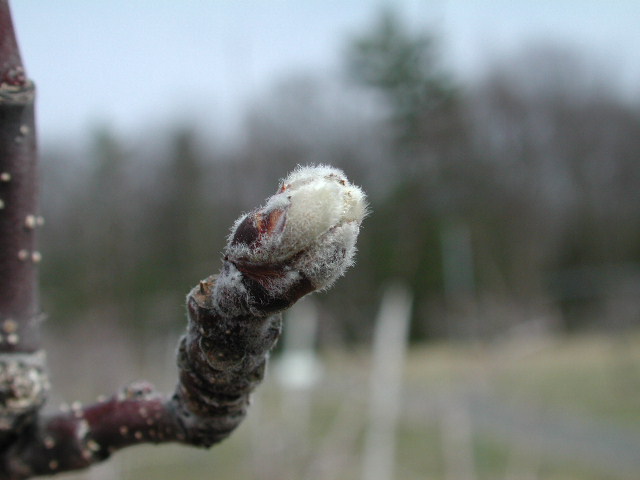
300	241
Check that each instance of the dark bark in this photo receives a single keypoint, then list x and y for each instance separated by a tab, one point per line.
18	198
23	383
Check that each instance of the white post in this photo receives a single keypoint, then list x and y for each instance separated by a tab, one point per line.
389	351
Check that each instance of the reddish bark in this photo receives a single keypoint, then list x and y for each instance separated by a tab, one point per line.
19	217
23	382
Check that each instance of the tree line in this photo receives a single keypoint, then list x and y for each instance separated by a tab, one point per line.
512	200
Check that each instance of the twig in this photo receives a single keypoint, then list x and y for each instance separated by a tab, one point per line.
18	194
23	383
302	240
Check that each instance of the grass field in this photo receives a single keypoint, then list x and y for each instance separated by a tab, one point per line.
553	409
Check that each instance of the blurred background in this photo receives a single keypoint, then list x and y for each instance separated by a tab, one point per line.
490	328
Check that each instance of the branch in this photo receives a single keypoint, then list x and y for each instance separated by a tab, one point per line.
18	191
300	241
23	383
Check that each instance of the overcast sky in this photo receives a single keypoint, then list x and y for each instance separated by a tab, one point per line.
126	63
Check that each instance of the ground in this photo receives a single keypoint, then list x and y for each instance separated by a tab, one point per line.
537	408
